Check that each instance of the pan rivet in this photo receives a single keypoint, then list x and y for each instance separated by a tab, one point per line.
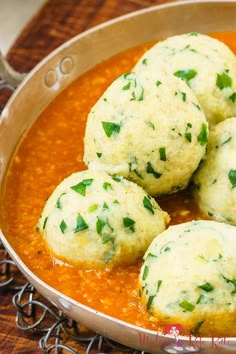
66	65
51	78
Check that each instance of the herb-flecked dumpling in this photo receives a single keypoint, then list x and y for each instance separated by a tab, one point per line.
215	180
189	277
93	220
205	63
150	129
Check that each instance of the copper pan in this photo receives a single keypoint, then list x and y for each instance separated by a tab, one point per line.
56	72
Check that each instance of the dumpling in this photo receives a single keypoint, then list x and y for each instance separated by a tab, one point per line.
215	180
206	64
148	128
189	277
94	220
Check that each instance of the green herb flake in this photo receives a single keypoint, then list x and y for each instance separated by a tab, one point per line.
116	201
150	124
118	178
45	222
81	187
92	208
99	154
111	128
63	226
150	301
106	238
201	299
58	202
105	206
151	255
183	94
233	97
232	282
100	225
80	224
197	106
207	287
148	205
151	170
138	93
127	86
226	141
194	34
158	83
159	284
129	223
107	185
162	153
186	75
187	306
232	178
144	61
197	327
202	137
188	136
145	272
223	80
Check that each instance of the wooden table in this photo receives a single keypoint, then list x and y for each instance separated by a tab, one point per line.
56	22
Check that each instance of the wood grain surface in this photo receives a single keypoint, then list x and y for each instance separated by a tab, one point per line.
56	22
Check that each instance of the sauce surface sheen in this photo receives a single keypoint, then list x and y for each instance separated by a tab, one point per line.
50	151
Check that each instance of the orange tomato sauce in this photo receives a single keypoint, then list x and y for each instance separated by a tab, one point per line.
50	151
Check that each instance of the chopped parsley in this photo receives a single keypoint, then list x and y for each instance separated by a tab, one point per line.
58	202
45	222
148	205
107	185
159	284
111	128
201	299
187	306
188	136
197	327
158	83
63	226
232	178
106	239
145	272
99	154
100	225
92	208
151	170
162	153
186	75
232	282
150	124
223	80
202	137
118	178
207	287
233	97
150	301
137	93
129	223
81	187
80	224
144	61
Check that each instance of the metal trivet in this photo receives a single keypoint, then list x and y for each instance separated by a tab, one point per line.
35	314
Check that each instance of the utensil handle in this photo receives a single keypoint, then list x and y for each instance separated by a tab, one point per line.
9	77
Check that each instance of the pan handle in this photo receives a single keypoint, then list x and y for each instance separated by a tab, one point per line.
9	78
